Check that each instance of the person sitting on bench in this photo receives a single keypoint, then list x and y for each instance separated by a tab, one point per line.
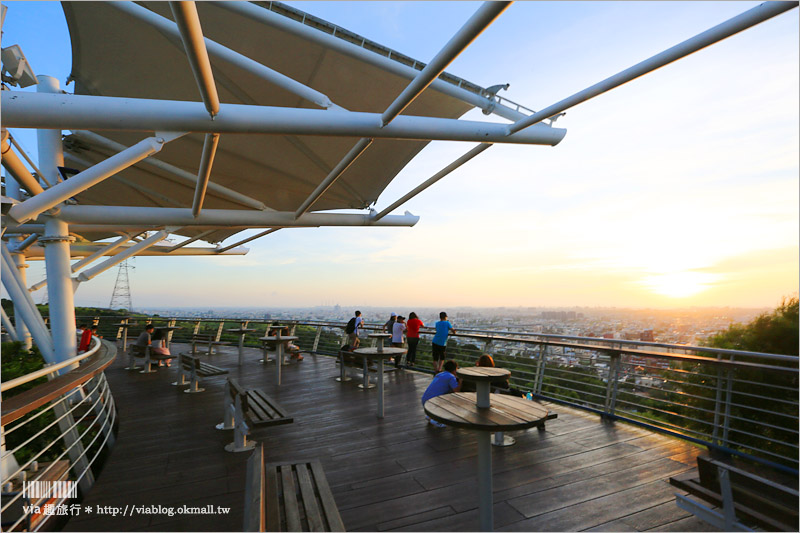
499	385
158	346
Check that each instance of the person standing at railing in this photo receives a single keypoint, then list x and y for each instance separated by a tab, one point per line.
439	343
389	326
412	336
398	329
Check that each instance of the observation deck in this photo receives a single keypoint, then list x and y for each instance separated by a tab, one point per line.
398	473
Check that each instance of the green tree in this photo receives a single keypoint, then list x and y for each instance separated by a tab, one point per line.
776	332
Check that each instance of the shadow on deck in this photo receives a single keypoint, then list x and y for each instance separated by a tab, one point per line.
398	473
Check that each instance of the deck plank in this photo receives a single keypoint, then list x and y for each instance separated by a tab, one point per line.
398	473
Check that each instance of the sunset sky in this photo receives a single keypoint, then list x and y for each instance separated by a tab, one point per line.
677	189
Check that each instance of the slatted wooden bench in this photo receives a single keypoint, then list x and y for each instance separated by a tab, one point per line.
191	367
288	497
137	351
747	499
205	339
246	409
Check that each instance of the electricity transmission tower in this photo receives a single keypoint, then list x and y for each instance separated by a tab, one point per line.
121	299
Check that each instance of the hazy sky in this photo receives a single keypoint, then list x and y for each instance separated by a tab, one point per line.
679	188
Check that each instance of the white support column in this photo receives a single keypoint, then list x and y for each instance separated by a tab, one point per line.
88	274
21	265
51	149
53	196
204	174
60	289
185	15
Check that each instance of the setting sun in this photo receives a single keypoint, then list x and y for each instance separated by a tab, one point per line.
680	284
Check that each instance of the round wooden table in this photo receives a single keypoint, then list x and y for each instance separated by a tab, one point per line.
241	331
280	343
483	376
380	354
504	413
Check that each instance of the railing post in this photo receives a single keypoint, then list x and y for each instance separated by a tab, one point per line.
613	383
726	424
717	404
316	339
219	331
196	327
540	369
170	324
486	345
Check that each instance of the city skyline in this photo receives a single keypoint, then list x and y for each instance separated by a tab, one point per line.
677	189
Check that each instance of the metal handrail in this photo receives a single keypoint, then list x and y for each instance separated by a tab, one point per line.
36	374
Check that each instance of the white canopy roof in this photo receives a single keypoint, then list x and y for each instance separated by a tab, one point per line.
115	54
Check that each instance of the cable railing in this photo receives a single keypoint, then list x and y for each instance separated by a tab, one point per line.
737	402
54	435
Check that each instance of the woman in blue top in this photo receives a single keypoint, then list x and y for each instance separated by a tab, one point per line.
439	344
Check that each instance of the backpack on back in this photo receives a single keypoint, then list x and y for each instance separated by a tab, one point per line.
351	326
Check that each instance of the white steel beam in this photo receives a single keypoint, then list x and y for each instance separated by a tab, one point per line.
33	207
60	289
23	304
49	144
191	240
12	332
173	173
105	250
730	27
24	244
482	18
28	159
17	168
485	15
333	175
185	15
254	12
252	238
77	250
221	218
68	111
433	179
204	174
221	53
90	273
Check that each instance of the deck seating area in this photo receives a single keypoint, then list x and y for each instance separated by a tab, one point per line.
398	473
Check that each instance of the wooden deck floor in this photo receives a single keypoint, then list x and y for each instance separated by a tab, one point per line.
398	473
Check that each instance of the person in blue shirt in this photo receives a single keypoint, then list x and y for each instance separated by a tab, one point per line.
443	383
439	344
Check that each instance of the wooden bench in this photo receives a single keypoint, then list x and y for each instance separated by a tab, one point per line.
205	339
246	409
191	367
288	497
137	351
746	497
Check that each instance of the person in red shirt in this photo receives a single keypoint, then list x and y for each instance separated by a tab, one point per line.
86	338
412	335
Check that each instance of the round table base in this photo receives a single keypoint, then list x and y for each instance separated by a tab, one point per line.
370	386
343	379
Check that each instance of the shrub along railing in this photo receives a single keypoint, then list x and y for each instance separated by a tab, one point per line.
737	402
